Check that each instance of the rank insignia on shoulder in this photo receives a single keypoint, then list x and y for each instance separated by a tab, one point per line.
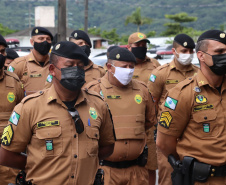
7	135
152	78
10	97
113	97
138	99
170	103
48	123
200	99
172	81
93	113
49	145
165	119
14	118
203	107
197	89
49	78
206	127
11	69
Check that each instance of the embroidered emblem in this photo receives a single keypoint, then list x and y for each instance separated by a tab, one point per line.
152	78
203	107
140	35
11	69
200	99
49	78
11	97
197	89
7	135
172	81
14	118
165	119
138	99
93	113
171	103
48	124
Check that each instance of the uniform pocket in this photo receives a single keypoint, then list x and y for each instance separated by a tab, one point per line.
93	138
50	141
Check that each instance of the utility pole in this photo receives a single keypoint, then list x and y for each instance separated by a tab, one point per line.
61	35
86	16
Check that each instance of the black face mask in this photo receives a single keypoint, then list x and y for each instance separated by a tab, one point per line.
86	49
2	61
42	47
219	64
139	52
72	78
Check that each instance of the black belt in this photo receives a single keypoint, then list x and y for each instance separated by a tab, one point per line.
218	171
121	164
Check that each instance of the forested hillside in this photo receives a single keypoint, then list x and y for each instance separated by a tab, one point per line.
109	14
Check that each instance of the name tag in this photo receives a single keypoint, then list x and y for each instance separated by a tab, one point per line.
48	124
203	107
172	81
135	76
113	97
36	75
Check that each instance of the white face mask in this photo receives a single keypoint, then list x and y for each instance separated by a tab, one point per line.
184	59
123	75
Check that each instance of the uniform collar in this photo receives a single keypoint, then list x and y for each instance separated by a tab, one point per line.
31	58
147	59
174	66
1	74
90	65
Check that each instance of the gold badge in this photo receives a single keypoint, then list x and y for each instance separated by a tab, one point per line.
118	56
75	35
93	113
185	43
7	135
200	99
138	99
140	35
11	97
57	47
222	35
202	82
165	119
36	31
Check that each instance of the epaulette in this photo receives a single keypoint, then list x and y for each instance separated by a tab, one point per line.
31	96
12	75
163	66
20	59
184	83
92	83
93	93
141	82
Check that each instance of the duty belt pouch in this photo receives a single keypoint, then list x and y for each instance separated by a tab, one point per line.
187	169
143	158
99	179
201	171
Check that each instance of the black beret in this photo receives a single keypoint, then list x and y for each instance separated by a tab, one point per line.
2	41
111	48
79	34
185	41
122	54
70	50
41	31
216	35
11	54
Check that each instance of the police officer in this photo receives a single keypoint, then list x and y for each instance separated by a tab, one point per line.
92	70
11	93
192	121
137	44
63	128
133	113
33	69
10	56
166	77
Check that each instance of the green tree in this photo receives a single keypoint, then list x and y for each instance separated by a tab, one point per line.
176	27
137	19
5	30
111	35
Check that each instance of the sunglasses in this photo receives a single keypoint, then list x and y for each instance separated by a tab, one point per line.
79	126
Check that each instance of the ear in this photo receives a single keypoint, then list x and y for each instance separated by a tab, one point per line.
200	56
109	67
129	47
32	41
173	50
51	70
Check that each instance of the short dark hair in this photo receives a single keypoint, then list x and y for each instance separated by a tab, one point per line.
202	45
53	59
175	44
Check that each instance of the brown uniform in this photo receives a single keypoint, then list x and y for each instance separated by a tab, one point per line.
56	154
31	73
195	112
161	81
142	72
132	110
93	72
11	93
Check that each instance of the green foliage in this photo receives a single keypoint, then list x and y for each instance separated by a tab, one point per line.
5	30
110	35
181	17
137	19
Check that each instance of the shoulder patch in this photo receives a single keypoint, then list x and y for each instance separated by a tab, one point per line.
163	66
12	75
37	94
92	83
20	59
184	83
165	119
7	135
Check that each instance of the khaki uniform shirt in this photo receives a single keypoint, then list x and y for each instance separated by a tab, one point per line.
167	76
11	93
93	72
194	112
31	73
143	70
132	110
56	154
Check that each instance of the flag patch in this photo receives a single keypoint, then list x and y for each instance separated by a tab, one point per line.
152	78
170	103
14	119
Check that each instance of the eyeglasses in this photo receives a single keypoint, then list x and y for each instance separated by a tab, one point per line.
79	126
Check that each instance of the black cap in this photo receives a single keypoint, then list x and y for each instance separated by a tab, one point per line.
2	41
216	35
11	54
185	41
122	54
111	48
70	50
41	31
79	34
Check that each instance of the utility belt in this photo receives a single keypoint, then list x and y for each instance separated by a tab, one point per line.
140	161
189	171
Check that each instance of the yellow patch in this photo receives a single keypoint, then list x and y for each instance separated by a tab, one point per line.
48	124
93	113
203	107
11	97
172	81
50	98
202	82
135	76
7	135
138	99
36	75
113	97
140	35
165	119
200	99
